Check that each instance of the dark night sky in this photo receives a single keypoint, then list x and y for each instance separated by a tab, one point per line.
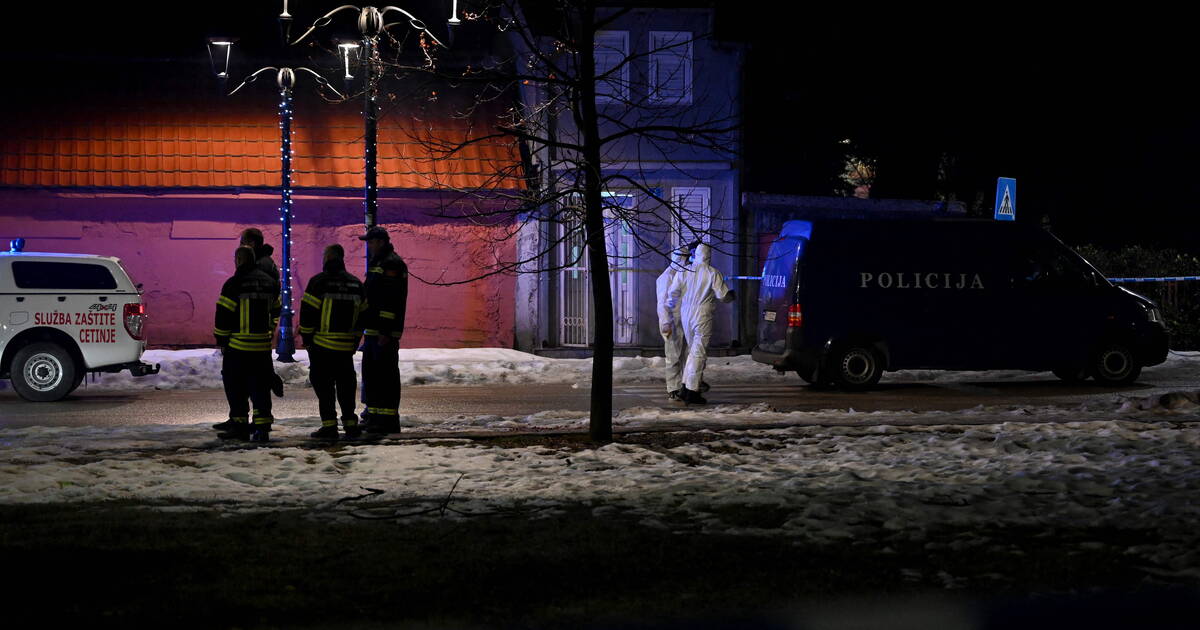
1090	111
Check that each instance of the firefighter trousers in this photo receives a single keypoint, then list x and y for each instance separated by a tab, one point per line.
335	383
381	382
246	377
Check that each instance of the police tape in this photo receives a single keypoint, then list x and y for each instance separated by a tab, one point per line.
1118	280
1164	279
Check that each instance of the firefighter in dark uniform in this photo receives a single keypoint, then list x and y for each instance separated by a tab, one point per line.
329	312
383	321
247	313
253	238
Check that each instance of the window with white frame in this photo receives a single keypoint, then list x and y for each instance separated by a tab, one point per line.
671	67
612	71
691	218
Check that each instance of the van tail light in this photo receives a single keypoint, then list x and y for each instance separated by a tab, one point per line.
795	317
135	320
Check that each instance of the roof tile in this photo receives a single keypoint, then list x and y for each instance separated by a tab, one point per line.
190	148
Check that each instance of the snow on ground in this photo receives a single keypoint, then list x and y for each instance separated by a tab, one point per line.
821	477
201	369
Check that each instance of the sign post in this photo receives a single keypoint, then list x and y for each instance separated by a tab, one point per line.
1006	199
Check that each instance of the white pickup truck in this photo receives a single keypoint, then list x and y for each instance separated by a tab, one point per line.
64	315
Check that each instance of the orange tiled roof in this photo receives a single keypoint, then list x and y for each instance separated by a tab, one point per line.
170	148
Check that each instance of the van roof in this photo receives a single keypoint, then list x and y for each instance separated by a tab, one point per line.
56	255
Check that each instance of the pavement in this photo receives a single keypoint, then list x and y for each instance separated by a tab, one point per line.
124	408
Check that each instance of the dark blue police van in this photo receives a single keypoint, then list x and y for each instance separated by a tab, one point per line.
843	300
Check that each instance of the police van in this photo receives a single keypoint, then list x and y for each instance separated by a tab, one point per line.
843	300
64	315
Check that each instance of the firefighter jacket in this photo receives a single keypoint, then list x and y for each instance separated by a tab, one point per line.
248	310
387	294
330	310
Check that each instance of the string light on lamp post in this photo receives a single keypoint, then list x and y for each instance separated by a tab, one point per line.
285	79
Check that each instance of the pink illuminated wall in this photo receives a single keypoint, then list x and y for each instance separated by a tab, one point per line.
179	246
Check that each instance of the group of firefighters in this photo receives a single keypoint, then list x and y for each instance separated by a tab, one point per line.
337	311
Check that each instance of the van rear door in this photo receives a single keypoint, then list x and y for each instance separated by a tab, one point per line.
780	282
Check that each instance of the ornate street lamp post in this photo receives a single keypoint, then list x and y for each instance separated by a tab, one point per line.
370	25
285	79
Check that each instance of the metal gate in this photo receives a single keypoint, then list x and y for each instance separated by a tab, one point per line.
618	239
574	294
574	290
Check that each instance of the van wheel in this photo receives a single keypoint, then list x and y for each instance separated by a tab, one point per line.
855	367
44	372
1114	364
1073	375
78	380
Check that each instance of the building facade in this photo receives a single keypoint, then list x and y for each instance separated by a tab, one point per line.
168	183
658	69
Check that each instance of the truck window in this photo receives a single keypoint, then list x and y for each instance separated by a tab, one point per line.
1052	267
62	275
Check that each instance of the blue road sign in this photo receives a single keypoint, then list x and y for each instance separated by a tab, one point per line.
1006	199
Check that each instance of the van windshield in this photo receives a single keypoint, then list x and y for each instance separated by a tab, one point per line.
1051	264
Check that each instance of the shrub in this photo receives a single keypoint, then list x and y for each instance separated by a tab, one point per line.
1180	301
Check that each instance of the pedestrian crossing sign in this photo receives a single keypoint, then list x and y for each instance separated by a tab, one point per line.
1006	199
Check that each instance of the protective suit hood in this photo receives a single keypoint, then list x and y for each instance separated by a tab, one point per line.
703	254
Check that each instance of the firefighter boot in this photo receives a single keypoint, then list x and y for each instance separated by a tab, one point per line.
261	433
351	426
237	431
230	424
326	432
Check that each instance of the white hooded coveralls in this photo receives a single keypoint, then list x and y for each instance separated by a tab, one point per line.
674	345
696	292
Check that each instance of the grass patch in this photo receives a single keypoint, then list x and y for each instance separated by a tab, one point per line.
125	564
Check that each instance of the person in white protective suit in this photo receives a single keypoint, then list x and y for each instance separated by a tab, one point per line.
674	346
696	291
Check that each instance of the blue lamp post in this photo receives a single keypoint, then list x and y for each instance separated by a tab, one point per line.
285	79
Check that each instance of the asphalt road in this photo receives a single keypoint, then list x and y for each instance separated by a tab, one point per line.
109	408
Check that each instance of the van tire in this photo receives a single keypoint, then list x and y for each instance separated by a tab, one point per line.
855	367
78	380
44	372
1072	375
1114	363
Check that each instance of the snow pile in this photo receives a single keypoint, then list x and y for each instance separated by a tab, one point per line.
201	369
824	477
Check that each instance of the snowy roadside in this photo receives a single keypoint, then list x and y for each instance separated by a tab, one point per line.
884	475
201	369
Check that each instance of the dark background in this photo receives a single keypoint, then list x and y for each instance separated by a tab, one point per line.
1090	111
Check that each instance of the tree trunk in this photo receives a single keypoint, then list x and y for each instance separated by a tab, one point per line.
600	417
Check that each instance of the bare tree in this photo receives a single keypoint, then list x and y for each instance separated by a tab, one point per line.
585	115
